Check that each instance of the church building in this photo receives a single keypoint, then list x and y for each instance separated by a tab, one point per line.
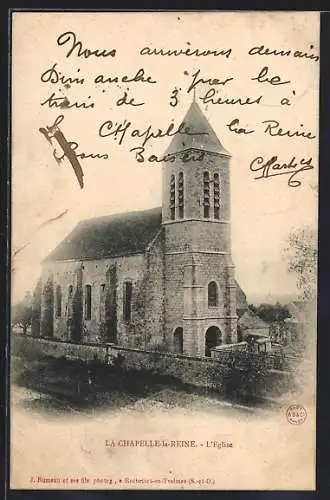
160	279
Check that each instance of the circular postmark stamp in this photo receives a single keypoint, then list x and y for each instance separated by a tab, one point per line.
296	414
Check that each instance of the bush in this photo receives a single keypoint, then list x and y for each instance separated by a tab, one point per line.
22	313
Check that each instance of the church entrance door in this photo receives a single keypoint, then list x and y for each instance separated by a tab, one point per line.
178	340
212	339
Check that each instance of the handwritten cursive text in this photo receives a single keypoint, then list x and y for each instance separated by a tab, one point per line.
70	38
273	167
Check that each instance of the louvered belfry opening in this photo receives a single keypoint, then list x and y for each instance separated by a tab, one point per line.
172	197
216	196
181	196
206	195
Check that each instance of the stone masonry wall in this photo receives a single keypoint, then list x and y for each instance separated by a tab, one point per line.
154	294
209	267
146	298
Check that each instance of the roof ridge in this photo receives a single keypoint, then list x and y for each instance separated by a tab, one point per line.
124	214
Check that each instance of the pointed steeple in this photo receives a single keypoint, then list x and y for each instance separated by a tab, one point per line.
204	138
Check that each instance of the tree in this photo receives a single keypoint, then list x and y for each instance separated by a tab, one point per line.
253	308
22	313
274	315
301	255
271	312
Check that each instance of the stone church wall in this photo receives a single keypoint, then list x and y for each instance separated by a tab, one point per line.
130	268
174	295
154	295
146	274
209	267
199	235
62	274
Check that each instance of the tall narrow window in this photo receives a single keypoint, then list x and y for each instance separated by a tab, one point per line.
127	301
172	197
58	301
216	196
212	294
88	302
181	196
102	303
206	193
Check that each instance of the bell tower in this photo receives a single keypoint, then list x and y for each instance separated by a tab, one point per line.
200	288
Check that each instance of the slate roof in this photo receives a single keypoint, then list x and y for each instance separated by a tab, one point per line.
206	139
109	236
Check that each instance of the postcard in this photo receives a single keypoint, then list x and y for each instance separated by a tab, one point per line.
164	250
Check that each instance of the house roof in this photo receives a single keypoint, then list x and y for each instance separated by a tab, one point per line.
255	333
250	320
109	236
204	137
241	303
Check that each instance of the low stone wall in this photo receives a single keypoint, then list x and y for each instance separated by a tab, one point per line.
36	348
225	352
201	372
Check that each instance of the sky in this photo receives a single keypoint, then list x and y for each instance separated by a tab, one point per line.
47	201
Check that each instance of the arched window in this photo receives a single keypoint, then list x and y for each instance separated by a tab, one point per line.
206	195
127	301
172	197
216	196
181	196
212	294
88	302
58	301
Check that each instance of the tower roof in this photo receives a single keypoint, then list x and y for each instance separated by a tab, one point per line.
203	136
